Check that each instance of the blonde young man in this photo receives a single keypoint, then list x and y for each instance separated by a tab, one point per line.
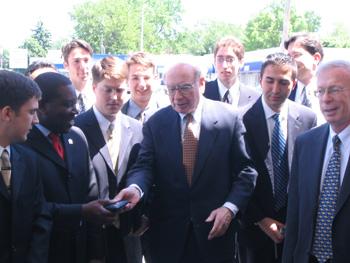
142	81
111	136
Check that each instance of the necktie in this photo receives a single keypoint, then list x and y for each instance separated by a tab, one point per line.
227	97
57	144
280	164
189	148
322	246
305	100
81	103
6	168
113	146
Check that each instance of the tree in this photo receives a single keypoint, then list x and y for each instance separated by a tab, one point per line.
39	42
264	30
339	38
206	34
116	25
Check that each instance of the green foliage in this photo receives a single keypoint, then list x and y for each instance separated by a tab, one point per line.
40	41
116	25
265	30
202	38
5	59
339	38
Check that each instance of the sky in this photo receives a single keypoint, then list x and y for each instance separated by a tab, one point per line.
18	17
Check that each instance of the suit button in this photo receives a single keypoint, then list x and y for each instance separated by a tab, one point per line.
14	249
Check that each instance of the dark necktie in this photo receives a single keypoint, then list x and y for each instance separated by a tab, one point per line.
305	100
81	103
322	246
227	97
57	144
5	166
279	153
189	148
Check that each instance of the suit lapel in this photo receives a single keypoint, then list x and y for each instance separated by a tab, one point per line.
293	128
345	189
126	135
208	134
38	142
17	173
96	138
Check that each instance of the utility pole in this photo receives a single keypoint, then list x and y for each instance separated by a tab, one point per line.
286	23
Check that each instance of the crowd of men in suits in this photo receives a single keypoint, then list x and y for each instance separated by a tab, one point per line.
224	173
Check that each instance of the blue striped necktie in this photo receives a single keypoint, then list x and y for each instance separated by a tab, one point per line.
322	246
279	153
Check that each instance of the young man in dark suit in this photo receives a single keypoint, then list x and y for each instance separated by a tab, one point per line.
193	157
228	58
319	201
24	226
261	236
69	181
110	148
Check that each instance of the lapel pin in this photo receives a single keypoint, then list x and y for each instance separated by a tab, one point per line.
70	141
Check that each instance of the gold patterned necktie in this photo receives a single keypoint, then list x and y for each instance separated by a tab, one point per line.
6	168
189	148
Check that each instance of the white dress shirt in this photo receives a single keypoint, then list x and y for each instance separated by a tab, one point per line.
234	92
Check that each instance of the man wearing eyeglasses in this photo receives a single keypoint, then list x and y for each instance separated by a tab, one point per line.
193	154
228	58
318	206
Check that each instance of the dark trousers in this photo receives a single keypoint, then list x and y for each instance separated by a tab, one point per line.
268	253
115	250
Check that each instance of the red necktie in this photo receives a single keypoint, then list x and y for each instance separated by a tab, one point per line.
56	142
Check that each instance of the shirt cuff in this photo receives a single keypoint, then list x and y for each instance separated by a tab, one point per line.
138	189
232	207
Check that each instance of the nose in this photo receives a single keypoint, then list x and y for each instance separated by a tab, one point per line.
35	119
275	87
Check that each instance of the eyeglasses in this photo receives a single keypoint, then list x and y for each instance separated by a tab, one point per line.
182	88
333	90
229	60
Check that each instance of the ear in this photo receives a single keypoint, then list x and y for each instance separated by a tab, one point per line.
6	113
201	84
65	64
317	58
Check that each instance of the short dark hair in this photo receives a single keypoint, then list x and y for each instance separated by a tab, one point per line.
37	65
74	44
280	59
310	42
49	83
16	90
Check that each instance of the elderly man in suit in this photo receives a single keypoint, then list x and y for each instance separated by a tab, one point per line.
68	177
319	202
24	227
193	154
228	58
111	136
261	237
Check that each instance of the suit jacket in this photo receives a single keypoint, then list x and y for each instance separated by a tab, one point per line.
247	94
222	173
131	133
300	119
304	193
24	222
110	183
67	185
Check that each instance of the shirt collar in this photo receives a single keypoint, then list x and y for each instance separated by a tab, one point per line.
269	112
103	121
197	114
8	148
234	89
344	135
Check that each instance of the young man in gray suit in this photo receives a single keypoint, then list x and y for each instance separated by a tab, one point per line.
228	58
111	136
261	236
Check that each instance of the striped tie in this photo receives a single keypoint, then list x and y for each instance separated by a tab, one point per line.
322	246
280	164
5	166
